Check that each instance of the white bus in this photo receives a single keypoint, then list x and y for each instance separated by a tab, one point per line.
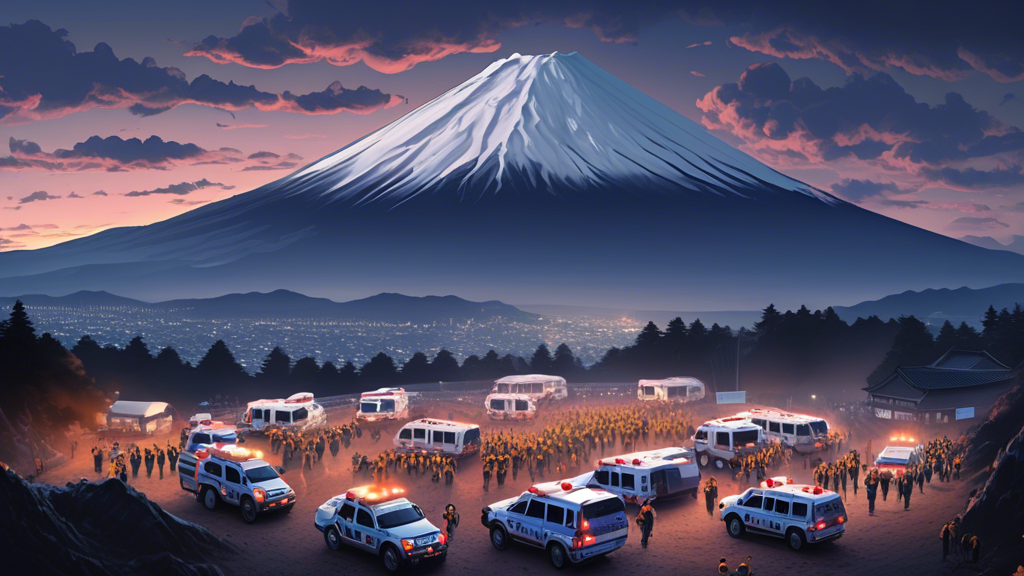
383	404
661	473
678	389
510	407
536	386
804	434
445	436
299	411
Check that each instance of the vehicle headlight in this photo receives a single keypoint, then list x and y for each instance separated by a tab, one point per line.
407	545
260	494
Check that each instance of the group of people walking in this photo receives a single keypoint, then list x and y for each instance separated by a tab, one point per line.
134	457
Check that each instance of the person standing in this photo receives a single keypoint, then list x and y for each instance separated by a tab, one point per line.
135	459
645	518
172	458
149	460
920	480
871	490
160	459
885	479
451	520
97	459
944	536
335	445
908	491
711	494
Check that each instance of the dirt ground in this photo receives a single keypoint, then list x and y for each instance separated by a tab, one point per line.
685	539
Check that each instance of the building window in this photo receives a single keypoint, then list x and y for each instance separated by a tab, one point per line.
883	413
904	416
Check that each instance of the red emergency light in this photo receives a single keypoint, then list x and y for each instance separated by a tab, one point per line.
566	486
636	461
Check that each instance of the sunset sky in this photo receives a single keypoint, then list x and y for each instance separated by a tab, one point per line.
912	112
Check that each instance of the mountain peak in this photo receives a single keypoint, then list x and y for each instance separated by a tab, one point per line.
547	122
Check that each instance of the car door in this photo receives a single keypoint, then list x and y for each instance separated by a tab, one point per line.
770	522
366	530
528	526
231	490
752	513
347	523
781	517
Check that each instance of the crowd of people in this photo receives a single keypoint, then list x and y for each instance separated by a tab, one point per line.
756	464
414	463
941	458
134	457
306	448
836	473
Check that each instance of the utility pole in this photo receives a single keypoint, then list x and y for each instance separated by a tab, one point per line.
739	336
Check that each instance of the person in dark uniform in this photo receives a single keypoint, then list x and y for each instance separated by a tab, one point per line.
172	458
944	536
723	568
135	460
487	476
149	460
711	494
161	458
451	520
502	471
321	446
645	519
973	545
871	482
97	459
884	480
908	491
335	446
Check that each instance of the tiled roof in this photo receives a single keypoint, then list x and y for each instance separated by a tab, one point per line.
928	378
955	359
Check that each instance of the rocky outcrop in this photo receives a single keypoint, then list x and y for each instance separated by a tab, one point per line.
1003	423
97	529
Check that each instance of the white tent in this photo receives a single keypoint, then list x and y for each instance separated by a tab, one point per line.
144	417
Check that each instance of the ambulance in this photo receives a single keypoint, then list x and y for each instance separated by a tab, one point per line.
534	386
383	404
661	473
716	442
572	523
510	407
899	455
381	521
298	412
444	436
798	513
804	434
670	390
228	474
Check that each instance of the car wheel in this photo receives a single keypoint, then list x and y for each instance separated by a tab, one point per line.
736	527
499	537
719	463
795	539
248	510
208	496
333	538
703	460
392	560
559	557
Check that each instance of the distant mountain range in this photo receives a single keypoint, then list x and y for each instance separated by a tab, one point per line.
936	306
1016	244
385	307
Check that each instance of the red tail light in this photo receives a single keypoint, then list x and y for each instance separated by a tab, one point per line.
585	525
841	520
820	525
442	539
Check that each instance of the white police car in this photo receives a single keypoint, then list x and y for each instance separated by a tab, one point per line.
573	523
232	475
799	513
379	520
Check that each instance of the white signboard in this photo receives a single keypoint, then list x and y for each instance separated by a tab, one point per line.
739	397
965	413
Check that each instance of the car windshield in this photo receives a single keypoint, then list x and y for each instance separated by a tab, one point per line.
742	438
261	474
399	517
829	510
820	427
225	438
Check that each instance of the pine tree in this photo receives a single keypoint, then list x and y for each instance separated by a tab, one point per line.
305	371
947	337
276	367
564	363
380	370
219	366
444	367
18	332
541	360
416	369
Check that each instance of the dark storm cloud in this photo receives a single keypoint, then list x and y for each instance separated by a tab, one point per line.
42	75
973	178
857	191
867	119
1006	98
947	43
73	195
180	189
911	204
39	196
263	154
100	193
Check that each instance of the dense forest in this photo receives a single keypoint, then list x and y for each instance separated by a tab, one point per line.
785	353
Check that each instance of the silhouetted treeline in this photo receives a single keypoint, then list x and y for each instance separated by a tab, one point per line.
784	354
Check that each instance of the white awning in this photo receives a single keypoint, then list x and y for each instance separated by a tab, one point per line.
140	409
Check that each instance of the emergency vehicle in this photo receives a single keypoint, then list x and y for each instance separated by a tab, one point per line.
573	523
799	513
444	436
804	434
670	390
383	404
196	419
380	520
719	441
510	407
900	455
298	411
236	476
210	432
659	473
534	386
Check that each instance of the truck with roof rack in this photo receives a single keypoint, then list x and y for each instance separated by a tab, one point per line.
224	473
572	523
717	442
380	520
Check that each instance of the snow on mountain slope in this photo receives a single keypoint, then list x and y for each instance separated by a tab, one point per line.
555	121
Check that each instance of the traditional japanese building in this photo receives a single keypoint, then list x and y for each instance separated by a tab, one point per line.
960	385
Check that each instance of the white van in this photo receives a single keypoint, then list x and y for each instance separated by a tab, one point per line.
661	473
804	434
510	407
572	523
383	404
670	390
536	386
798	513
719	441
444	436
298	411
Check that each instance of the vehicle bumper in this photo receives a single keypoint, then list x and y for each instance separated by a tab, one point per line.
417	554
278	504
581	554
815	537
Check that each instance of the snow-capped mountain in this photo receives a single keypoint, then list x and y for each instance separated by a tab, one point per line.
542	179
549	121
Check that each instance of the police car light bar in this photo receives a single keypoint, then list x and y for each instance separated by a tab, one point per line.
374	493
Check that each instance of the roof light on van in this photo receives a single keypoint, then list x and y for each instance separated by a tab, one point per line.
566	486
636	461
620	461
